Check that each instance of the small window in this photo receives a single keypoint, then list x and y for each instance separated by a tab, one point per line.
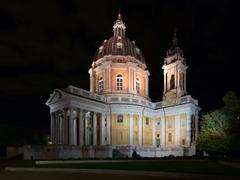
119	82
169	137
100	84
147	121
183	142
120	119
169	124
138	85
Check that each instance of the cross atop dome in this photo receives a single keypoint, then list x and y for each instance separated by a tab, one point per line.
119	15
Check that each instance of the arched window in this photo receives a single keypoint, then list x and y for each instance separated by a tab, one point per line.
119	82
138	85
172	82
100	84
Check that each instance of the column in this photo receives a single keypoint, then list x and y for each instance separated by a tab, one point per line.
164	77
57	127
185	81
179	79
134	80
146	86
163	131
86	128
60	128
91	80
71	131
94	128
66	126
103	129
129	80
131	129
188	138
75	131
196	126
52	119
110	77
140	130
81	128
177	129
108	128
154	133
63	127
176	79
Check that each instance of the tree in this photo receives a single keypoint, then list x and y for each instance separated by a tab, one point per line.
220	128
214	137
232	110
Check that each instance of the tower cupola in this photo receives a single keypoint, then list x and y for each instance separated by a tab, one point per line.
174	72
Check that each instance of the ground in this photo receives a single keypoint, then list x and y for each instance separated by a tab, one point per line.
206	167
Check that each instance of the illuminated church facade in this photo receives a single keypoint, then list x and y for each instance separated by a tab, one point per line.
116	117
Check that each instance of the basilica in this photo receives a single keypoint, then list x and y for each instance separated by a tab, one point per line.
117	117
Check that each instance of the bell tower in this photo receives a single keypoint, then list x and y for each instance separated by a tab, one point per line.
174	72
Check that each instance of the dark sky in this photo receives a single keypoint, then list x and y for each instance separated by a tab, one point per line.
50	44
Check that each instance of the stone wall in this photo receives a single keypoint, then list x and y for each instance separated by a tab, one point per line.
85	152
13	152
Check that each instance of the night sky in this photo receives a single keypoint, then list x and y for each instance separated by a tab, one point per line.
50	44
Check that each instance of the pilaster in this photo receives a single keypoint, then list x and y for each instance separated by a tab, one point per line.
131	128
102	129
108	128
140	129
94	128
81	128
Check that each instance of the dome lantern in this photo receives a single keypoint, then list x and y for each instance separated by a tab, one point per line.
119	27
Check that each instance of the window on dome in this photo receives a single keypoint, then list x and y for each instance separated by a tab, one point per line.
119	45
119	82
100	84
120	118
138	85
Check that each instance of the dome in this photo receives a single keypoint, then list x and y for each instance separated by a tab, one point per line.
119	44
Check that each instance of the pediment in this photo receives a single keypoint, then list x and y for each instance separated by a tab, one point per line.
55	97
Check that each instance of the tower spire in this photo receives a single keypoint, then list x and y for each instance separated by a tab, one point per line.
175	39
175	49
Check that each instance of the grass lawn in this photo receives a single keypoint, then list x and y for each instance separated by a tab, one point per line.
183	166
71	176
